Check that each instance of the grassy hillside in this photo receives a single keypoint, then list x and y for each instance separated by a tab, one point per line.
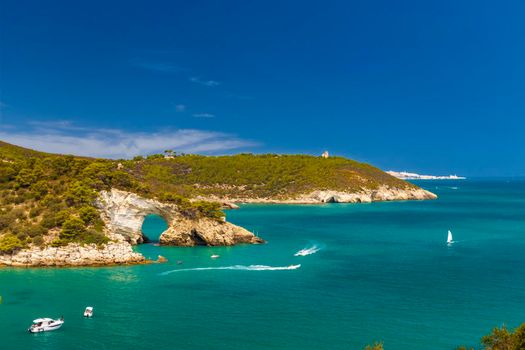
247	175
48	199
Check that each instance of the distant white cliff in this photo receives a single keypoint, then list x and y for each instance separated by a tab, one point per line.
403	175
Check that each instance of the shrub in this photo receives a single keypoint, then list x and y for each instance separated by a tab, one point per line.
209	209
36	230
375	346
61	217
48	221
89	215
79	193
25	177
6	220
72	228
39	189
34	212
38	241
7	173
10	243
503	339
92	236
21	235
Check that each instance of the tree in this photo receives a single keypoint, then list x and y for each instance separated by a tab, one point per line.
519	337
209	209
7	173
39	189
25	177
503	339
375	346
78	193
89	215
72	228
499	339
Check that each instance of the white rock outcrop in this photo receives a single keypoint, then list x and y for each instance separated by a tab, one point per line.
185	232
124	213
383	193
366	196
74	254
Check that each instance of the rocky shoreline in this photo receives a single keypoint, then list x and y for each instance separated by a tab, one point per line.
113	253
381	194
124	212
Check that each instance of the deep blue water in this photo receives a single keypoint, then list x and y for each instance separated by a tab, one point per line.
384	272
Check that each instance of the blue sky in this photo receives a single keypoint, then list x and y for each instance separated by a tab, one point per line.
427	86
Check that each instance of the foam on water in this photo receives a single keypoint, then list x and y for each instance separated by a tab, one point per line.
309	250
238	267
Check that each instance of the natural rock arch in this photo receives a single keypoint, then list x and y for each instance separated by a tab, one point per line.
124	213
153	221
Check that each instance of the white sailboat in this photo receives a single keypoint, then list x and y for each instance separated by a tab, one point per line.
449	238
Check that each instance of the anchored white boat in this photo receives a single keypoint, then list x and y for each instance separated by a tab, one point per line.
215	256
45	325
88	312
449	238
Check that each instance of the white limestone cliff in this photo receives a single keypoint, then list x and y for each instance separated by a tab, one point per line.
124	213
383	193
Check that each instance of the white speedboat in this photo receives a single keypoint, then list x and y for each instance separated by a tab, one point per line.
45	325
88	312
215	256
302	252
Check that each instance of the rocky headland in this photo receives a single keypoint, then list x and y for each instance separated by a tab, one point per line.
63	210
383	193
123	214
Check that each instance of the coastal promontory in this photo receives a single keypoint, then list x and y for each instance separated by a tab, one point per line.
64	210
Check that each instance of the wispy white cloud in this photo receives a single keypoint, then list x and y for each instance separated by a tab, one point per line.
204	115
180	108
157	66
210	83
60	137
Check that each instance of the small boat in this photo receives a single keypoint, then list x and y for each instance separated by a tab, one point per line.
45	325
302	252
180	262
88	312
449	238
215	256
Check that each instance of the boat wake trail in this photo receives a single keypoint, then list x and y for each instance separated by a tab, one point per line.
238	267
309	250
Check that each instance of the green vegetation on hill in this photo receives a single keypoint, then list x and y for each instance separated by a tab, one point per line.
248	175
48	199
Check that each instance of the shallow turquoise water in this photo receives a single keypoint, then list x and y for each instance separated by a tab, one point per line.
383	273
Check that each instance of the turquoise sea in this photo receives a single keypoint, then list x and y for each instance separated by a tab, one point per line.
382	272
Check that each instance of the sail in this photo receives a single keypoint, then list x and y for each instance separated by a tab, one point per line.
449	238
